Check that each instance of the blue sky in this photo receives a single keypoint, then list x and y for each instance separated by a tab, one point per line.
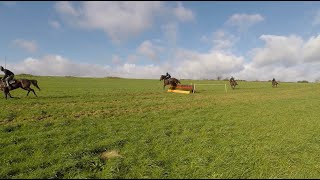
189	39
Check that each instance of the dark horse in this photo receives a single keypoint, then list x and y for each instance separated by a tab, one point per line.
233	83
19	83
274	83
172	81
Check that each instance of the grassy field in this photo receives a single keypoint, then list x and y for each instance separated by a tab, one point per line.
130	128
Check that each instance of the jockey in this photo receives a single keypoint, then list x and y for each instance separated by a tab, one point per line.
168	76
8	75
273	79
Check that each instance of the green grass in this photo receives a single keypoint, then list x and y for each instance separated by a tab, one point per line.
254	131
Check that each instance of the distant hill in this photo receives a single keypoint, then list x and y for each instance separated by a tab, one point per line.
24	75
112	77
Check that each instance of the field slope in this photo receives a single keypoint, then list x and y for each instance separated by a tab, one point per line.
131	128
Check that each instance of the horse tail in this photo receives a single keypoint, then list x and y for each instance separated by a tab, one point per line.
35	83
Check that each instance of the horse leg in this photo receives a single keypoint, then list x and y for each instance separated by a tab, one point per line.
26	90
5	94
10	95
30	89
33	92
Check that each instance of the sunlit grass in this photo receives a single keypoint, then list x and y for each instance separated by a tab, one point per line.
254	131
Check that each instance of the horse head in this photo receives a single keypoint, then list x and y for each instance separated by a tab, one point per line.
162	77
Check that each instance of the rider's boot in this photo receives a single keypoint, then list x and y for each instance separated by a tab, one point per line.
8	85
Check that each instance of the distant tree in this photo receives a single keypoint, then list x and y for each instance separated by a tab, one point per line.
219	78
303	81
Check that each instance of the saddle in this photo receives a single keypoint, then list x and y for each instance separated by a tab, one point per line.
13	81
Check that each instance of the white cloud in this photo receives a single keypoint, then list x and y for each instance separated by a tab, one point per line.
286	51
189	65
223	40
147	48
183	14
55	65
244	21
195	65
286	58
119	19
311	49
30	46
294	73
65	7
55	24
128	70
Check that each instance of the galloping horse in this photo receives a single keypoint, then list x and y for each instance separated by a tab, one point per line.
274	83
19	83
171	81
233	83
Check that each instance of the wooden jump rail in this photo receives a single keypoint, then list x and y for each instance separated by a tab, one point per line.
185	89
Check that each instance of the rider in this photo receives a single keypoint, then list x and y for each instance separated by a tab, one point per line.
273	80
168	76
8	75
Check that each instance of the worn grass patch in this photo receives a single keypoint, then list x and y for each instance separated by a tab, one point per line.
109	155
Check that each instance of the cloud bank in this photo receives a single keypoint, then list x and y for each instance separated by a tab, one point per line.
284	57
287	58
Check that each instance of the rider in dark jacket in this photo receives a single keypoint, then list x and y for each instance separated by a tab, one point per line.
8	75
168	76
